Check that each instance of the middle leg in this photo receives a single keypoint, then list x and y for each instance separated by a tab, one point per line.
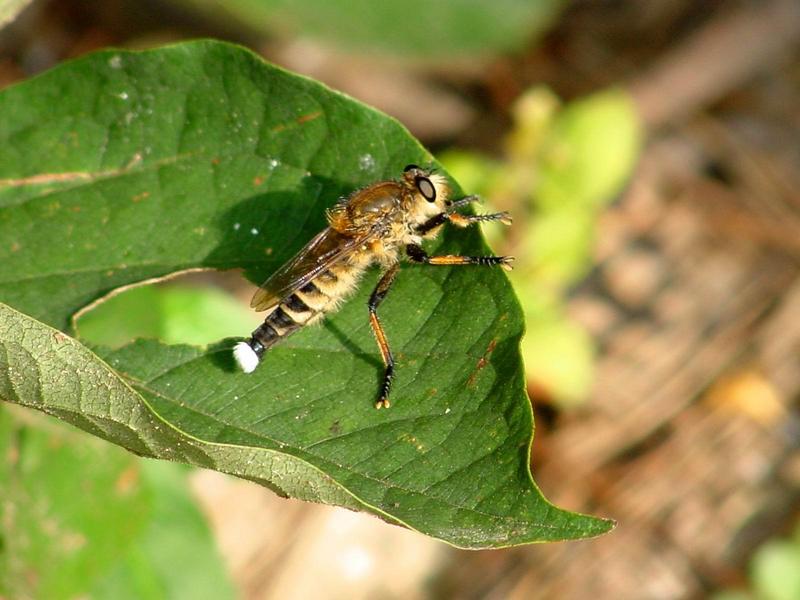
377	296
460	220
416	254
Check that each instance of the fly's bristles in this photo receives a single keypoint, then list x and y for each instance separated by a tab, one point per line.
441	185
246	357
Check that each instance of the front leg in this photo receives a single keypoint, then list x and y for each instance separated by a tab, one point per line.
461	220
416	254
377	296
465	220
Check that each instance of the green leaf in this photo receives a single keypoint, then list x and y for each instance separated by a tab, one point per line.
175	314
563	355
55	515
776	570
589	152
174	556
415	27
121	167
80	519
559	244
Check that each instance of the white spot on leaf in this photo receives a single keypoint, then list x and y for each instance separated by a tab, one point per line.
366	162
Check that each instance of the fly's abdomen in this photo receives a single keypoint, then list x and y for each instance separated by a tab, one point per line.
305	306
278	324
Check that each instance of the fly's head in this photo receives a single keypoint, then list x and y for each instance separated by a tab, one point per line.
427	193
418	195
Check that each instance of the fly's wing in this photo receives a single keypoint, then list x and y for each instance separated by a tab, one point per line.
328	247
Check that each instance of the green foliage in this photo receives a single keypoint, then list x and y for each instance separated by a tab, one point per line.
774	572
563	166
407	27
121	167
81	519
588	152
776	569
174	314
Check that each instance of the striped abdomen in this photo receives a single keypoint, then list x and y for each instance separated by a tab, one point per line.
303	307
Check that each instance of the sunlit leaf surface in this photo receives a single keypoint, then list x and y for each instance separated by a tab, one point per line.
125	166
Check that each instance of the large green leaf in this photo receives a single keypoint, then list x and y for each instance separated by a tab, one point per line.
413	27
125	166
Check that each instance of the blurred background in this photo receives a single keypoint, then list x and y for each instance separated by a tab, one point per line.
650	155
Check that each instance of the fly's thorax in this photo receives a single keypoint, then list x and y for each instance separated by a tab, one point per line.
368	207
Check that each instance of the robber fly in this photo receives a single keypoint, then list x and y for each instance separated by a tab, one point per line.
375	224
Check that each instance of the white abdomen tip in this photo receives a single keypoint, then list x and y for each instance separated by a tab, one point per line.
246	357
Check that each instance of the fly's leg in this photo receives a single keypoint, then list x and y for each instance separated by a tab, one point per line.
378	294
453	205
417	254
465	220
460	220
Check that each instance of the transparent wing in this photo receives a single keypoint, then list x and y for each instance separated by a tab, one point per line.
327	248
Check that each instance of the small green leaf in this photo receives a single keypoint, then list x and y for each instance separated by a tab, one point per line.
121	167
589	152
560	355
776	571
559	245
415	27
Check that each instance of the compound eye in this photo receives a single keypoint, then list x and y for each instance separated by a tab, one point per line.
426	188
410	168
